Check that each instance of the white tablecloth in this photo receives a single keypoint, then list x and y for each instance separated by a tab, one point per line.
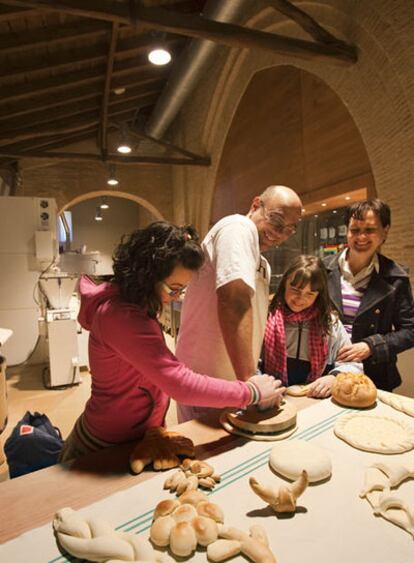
332	524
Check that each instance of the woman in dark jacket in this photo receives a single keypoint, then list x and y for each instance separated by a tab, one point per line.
372	295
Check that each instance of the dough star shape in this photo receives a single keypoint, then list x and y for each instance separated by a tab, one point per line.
371	433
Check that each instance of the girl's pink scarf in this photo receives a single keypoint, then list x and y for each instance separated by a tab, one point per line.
275	353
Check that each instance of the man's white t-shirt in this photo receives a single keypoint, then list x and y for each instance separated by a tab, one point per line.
232	252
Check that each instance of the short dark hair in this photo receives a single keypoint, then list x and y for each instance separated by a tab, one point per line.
148	256
359	209
307	269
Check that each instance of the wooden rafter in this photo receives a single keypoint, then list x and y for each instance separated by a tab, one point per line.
305	21
196	26
103	130
111	158
83	119
142	135
8	127
42	106
62	82
15	43
7	14
84	55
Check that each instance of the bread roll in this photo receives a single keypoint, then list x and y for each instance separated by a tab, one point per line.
354	390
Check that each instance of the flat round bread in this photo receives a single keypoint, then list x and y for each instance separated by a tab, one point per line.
290	458
403	404
298	390
268	421
380	434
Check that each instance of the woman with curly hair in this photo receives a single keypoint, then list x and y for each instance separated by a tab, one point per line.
133	372
303	336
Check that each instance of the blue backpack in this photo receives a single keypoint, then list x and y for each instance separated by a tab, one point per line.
33	444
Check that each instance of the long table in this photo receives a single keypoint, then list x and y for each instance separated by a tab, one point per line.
331	523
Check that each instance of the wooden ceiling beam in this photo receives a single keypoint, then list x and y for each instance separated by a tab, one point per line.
142	135
7	14
14	43
89	117
128	47
75	109
105	10
69	80
111	158
305	21
30	108
103	129
192	25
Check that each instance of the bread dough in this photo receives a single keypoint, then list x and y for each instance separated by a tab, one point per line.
298	390
403	404
372	433
290	458
264	422
380	478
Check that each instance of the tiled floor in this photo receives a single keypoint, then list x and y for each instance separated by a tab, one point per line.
26	392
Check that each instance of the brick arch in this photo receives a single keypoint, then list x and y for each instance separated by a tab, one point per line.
111	193
378	93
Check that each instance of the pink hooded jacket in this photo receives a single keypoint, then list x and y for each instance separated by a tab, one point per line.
134	373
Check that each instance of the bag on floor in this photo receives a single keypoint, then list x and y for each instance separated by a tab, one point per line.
33	444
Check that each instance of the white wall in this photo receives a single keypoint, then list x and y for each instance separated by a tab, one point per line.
122	217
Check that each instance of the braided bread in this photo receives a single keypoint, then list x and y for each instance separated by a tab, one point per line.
95	540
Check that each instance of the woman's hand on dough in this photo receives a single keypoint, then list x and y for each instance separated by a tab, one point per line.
321	387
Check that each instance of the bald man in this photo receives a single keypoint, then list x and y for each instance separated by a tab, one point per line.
225	307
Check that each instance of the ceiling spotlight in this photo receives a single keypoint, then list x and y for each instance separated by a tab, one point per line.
348	197
98	214
334	211
112	179
323	204
124	145
159	56
104	203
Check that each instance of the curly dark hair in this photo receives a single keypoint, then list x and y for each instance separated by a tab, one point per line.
148	256
306	270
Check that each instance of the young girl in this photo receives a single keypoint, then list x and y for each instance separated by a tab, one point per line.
133	372
303	336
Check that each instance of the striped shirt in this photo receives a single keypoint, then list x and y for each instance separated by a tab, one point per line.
353	287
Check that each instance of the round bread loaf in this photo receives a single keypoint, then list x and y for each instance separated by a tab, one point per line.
354	390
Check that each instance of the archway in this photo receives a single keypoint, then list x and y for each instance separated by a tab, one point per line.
93	224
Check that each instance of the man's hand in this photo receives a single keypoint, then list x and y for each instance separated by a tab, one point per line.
354	353
321	387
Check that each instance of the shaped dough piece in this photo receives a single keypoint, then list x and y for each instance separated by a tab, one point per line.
403	404
290	458
378	434
298	390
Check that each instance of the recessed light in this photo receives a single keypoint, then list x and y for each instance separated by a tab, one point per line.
334	211
348	197
324	204
159	57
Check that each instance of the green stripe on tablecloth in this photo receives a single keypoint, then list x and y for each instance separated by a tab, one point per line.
143	522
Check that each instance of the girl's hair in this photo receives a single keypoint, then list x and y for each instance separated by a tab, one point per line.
148	256
306	270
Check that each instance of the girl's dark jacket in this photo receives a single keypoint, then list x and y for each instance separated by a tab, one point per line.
385	318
